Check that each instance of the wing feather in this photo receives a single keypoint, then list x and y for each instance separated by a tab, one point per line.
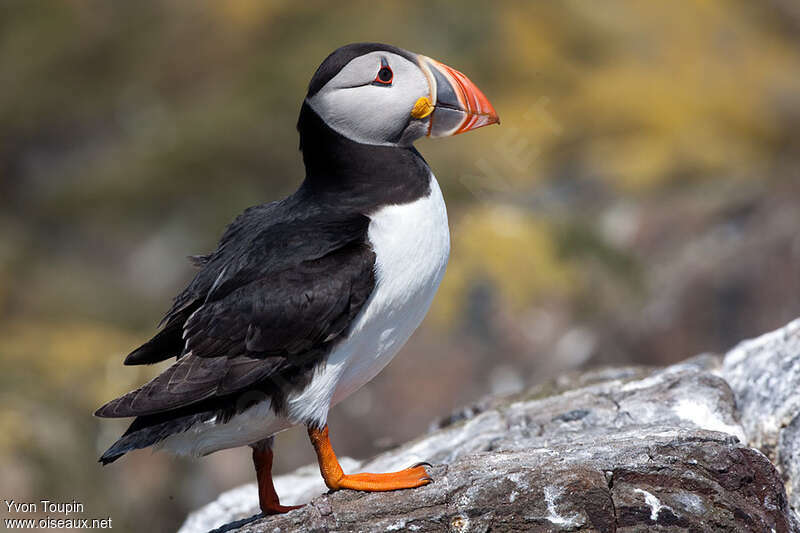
270	326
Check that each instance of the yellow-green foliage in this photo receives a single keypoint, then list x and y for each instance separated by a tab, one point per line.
507	248
655	89
65	357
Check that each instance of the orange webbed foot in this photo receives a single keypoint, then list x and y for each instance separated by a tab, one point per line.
335	478
277	508
268	499
415	476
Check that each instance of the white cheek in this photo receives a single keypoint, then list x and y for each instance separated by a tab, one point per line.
367	113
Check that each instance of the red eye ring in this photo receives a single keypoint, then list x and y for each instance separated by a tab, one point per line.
385	74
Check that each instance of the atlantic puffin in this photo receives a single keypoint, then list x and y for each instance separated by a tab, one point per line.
306	299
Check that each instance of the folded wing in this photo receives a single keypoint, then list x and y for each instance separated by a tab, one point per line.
258	324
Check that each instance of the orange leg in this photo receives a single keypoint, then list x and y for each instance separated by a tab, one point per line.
267	497
335	478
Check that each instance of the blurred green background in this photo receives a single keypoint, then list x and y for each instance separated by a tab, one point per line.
639	204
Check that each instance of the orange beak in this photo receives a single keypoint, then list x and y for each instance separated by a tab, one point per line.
459	105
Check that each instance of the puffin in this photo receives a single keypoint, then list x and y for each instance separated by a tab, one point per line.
306	299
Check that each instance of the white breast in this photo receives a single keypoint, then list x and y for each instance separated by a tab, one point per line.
411	243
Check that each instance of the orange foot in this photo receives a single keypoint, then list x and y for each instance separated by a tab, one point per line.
277	508
416	476
336	479
267	497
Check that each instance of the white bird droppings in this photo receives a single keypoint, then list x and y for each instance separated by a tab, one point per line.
397	526
702	415
551	494
654	504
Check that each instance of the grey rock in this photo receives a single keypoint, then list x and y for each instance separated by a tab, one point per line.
625	450
764	373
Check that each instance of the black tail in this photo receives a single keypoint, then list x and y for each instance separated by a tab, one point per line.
167	343
149	430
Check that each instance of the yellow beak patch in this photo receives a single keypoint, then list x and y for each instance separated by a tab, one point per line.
422	108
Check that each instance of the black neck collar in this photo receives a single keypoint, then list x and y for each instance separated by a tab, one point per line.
351	175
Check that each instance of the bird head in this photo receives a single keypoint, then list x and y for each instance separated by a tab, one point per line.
378	94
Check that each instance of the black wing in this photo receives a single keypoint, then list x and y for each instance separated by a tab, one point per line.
264	240
258	313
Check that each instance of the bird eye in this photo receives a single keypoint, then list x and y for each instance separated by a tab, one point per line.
385	75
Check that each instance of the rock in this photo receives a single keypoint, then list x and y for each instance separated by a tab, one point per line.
622	450
765	375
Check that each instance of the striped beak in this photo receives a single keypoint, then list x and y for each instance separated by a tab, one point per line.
458	104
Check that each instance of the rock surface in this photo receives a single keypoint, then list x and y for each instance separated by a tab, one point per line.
764	373
623	450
